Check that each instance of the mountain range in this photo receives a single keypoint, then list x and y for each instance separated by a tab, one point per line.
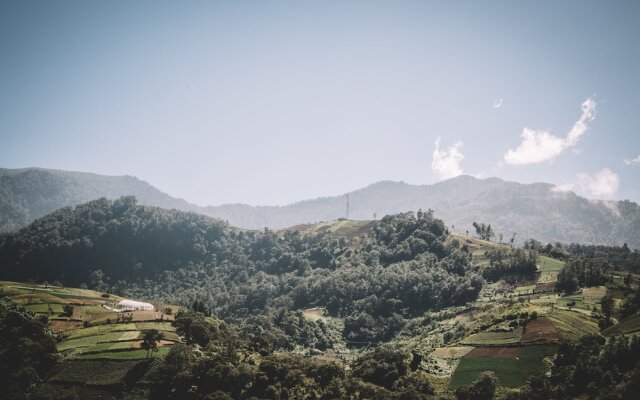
536	210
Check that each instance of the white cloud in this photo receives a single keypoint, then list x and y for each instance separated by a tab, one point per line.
563	188
539	145
601	184
446	163
498	103
632	161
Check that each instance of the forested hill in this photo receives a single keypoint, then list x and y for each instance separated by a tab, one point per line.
30	193
530	211
403	263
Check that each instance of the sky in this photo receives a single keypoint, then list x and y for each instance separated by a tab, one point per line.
271	102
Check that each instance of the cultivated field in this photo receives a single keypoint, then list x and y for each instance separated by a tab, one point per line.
540	329
512	365
494	338
573	324
92	331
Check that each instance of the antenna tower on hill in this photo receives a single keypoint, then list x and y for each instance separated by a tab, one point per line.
347	205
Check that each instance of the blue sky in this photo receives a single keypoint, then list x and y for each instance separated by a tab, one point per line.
274	102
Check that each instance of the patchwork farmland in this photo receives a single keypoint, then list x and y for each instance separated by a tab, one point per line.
89	331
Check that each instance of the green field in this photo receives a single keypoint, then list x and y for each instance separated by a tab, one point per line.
100	329
161	326
494	338
549	268
511	372
548	264
44	308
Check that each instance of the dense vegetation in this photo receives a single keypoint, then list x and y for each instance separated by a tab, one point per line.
218	364
27	350
621	258
583	272
510	265
399	270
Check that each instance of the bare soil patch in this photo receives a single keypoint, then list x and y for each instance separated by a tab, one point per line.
540	329
594	293
313	314
451	352
64	325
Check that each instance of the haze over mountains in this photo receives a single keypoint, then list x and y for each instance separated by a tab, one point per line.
528	210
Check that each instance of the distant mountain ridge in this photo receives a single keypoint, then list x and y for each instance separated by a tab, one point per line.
529	210
30	193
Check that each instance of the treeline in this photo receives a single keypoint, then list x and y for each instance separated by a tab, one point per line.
621	258
583	272
511	265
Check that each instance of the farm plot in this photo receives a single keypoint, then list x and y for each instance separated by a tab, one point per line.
161	326
540	329
512	365
101	329
573	324
44	308
549	269
548	264
89	341
571	300
594	293
494	338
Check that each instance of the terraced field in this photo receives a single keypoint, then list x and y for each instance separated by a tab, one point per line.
92	331
494	338
573	324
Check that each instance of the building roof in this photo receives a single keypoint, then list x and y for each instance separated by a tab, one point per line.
134	304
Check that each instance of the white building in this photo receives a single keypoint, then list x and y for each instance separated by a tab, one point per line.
132	305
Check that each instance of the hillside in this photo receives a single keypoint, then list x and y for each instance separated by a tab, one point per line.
395	308
529	210
30	193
